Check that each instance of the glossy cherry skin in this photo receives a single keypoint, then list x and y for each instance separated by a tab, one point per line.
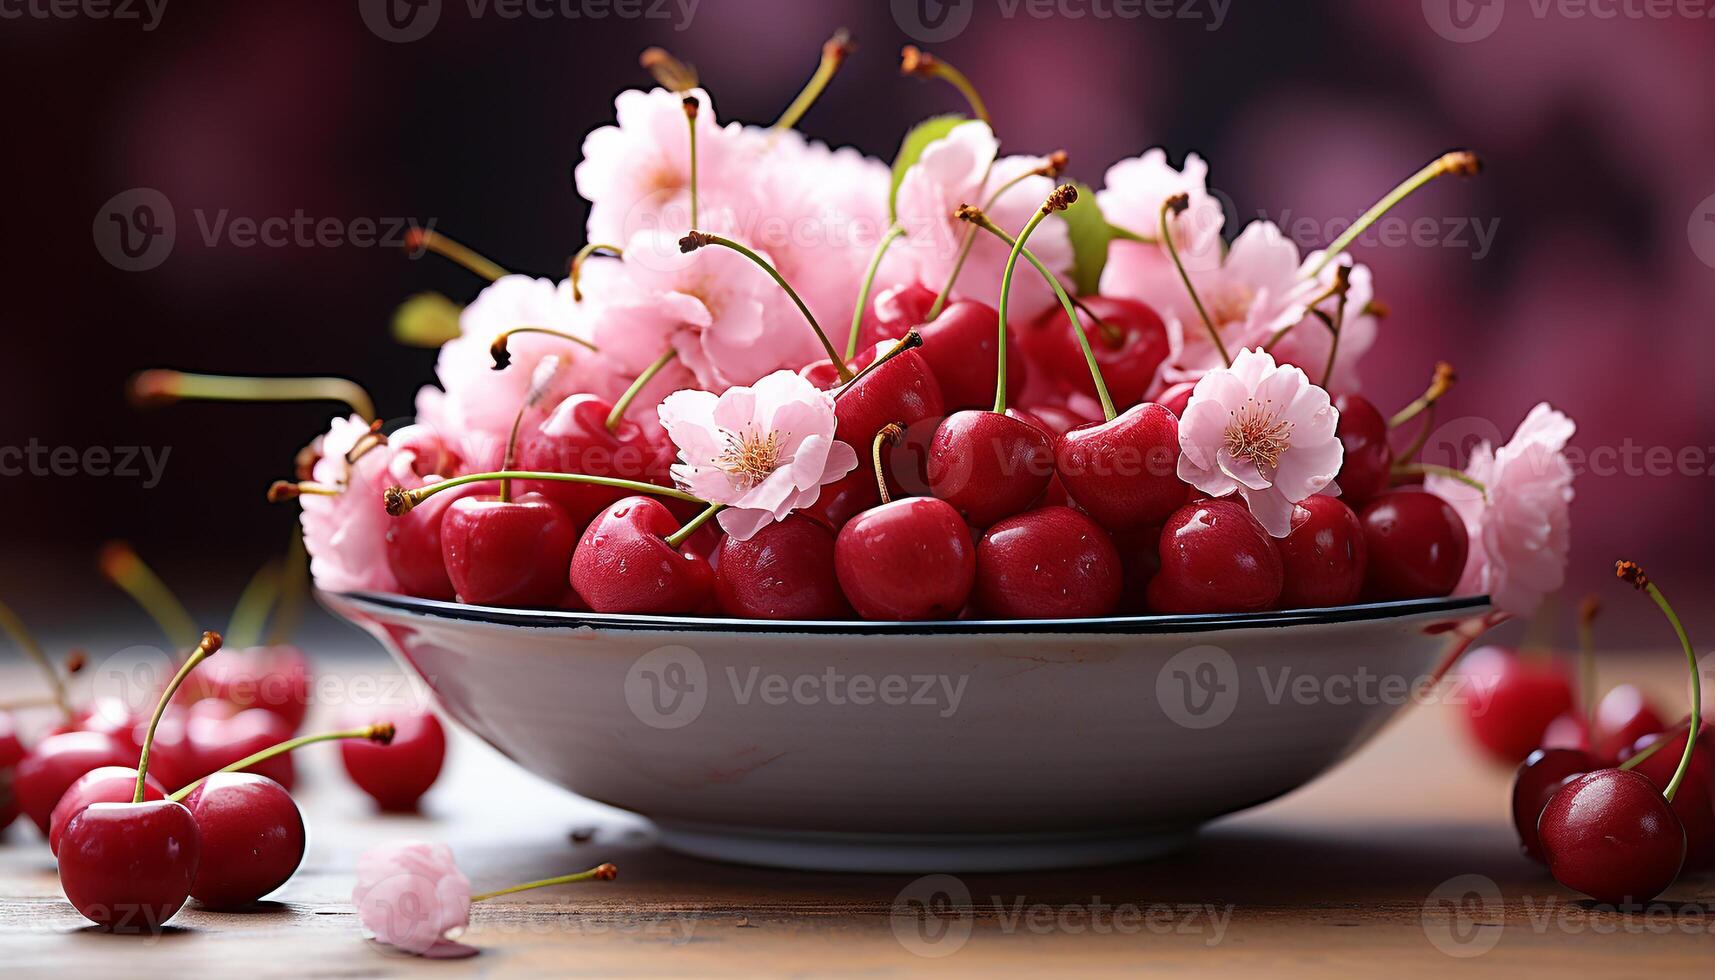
216	743
252	838
11	752
624	564
902	391
1417	546
275	678
128	867
1052	563
1611	835
1623	716
49	769
109	784
1365	468
507	553
989	466
1660	766
1129	362
895	310
1215	557
413	547
575	439
1694	803
1177	398
910	559
1124	472
1324	556
398	774
960	348
783	571
1510	700
1539	778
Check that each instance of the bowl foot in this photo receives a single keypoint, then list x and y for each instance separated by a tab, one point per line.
917	853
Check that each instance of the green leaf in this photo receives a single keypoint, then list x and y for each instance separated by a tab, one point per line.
1090	234
911	149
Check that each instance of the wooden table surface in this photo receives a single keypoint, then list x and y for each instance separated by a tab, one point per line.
1403	859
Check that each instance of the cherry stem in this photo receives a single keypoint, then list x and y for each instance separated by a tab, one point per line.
691	109
1587	611
1061	198
1425	469
669	72
1067	302
834	51
420	240
577	269
162	387
698	239
605	872
1439	384
294	589
503	356
281	491
617	414
915	61
400	501
1459	162
1177	205
678	537
1632	573
206	648
20	634
1644	756
250	613
381	733
881	248
1053	168
886	435
1342	285
124	568
911	339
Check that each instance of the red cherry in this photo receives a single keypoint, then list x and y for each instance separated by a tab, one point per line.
1176	398
1215	557
624	564
1623	716
1124	472
1052	563
413	547
1417	546
783	571
575	439
11	752
1662	765
1611	835
216	743
910	559
128	867
989	466
109	784
1368	462
1539	778
1569	731
902	391
507	553
1694	803
49	769
896	309
252	838
397	775
274	678
1129	362
1056	420
845	498
959	346
1510	700
1324	556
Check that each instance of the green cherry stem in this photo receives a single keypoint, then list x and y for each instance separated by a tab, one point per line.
698	239
1052	169
1061	198
1630	572
900	346
14	627
605	872
206	647
502	354
576	272
915	61
381	733
1458	162
1440	383
834	51
881	248
123	567
1587	612
400	501
1177	205
678	537
691	109
420	240
617	413
1426	469
162	387
250	614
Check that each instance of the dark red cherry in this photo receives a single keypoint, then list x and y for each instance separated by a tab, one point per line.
1510	700
910	559
109	784
623	563
1611	835
128	867
1365	470
11	752
960	348
49	769
1056	420
783	571
896	309
845	498
1662	765
1215	557
275	678
989	466
1324	556
1539	778
217	742
398	774
1694	803
507	553
1417	546
1124	472
1052	563
902	391
1129	361
412	544
574	438
1176	398
1623	716
252	838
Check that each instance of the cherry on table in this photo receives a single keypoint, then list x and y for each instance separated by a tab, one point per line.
1510	700
623	563
1129	353
1324	556
507	552
783	571
217	742
274	678
1417	546
398	774
11	752
1539	777
129	867
989	466
908	559
959	346
1124	472
108	784
252	838
1623	716
1612	835
1694	803
1215	557
1050	563
49	769
1368	461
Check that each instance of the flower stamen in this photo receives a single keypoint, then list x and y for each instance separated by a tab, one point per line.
750	458
1257	433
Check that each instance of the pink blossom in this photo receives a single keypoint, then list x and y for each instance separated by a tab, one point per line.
345	534
763	451
411	895
1263	430
1131	198
1520	524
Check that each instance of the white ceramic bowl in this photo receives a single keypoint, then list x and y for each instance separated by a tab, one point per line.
956	746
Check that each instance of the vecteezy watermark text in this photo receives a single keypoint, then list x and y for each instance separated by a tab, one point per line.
1466	21
33	458
935	21
148	13
404	21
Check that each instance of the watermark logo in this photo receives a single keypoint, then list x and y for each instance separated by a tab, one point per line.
1701	231
148	13
1198	688
1464	21
400	21
932	916
933	21
1459	916
135	230
668	687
